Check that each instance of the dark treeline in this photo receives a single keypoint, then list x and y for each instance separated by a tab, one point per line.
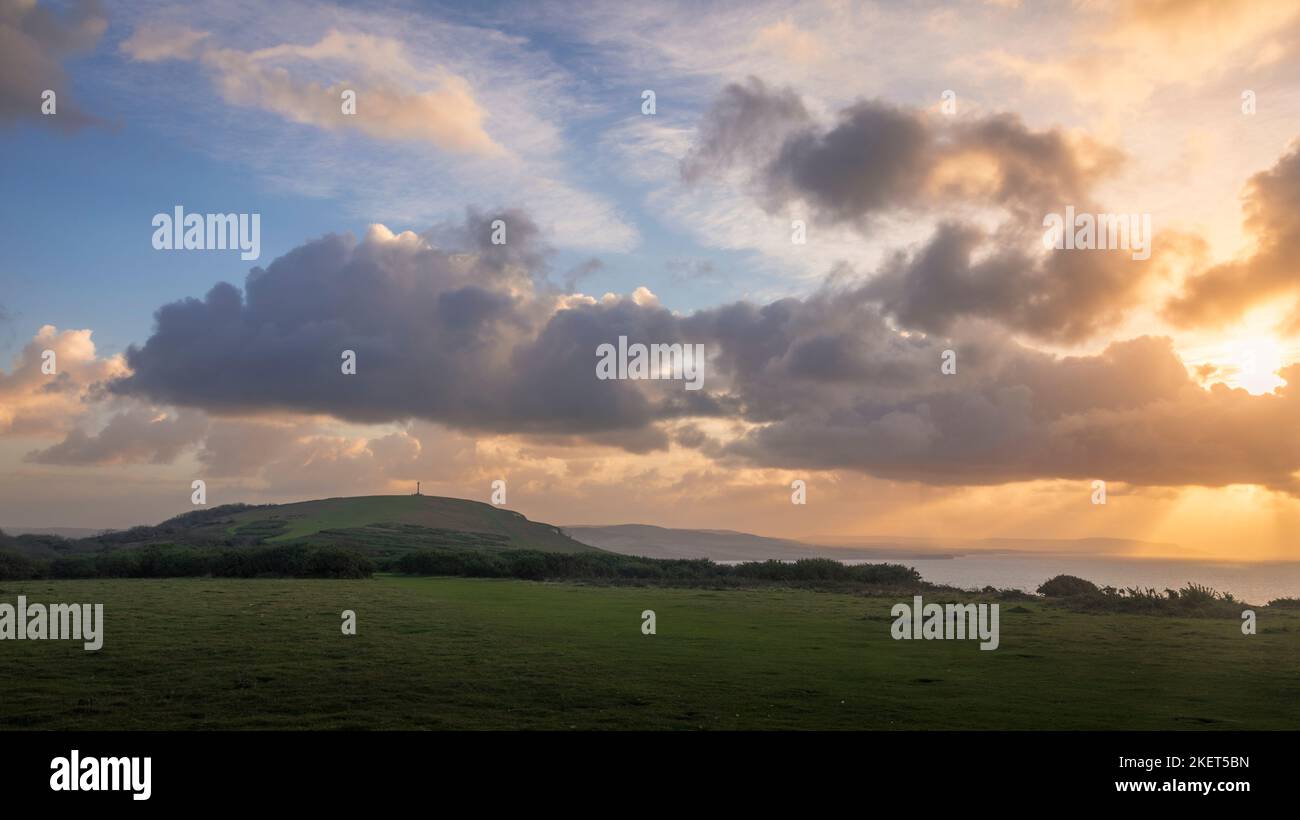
328	561
315	561
533	565
166	561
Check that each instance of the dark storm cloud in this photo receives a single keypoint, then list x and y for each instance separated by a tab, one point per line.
784	357
466	335
876	158
879	159
1131	414
1061	295
1222	293
823	381
33	43
832	386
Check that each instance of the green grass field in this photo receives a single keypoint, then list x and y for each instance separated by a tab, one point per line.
442	653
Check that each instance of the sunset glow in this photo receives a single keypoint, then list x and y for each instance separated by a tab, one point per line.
946	277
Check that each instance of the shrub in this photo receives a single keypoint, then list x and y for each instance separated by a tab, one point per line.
1064	586
1192	600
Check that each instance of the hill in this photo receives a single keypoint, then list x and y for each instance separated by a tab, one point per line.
729	545
35	546
664	542
380	526
413	518
61	532
719	545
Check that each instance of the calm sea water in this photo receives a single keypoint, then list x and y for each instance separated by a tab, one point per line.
1256	583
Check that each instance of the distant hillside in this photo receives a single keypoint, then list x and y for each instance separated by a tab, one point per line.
728	545
62	532
377	525
720	545
35	545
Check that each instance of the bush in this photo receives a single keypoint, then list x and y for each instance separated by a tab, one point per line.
1065	586
15	567
1285	603
1192	600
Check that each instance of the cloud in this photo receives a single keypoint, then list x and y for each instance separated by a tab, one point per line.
746	123
139	434
33	43
37	404
878	161
305	460
1222	293
789	41
965	272
279	79
401	166
33	402
1131	413
1130	49
467	336
683	271
152	43
465	332
295	457
879	157
238	447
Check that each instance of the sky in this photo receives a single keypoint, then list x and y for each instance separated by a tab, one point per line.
846	205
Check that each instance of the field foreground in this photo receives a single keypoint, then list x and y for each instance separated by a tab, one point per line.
455	653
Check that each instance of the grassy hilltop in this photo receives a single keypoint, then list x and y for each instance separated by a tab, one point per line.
376	526
386	522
